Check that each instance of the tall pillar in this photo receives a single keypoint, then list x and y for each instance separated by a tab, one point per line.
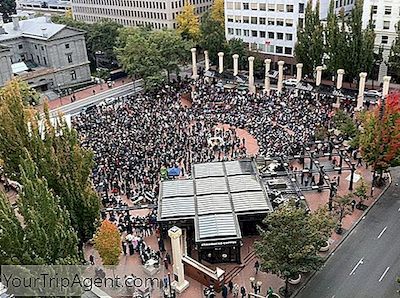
206	61
221	62
175	234
386	82
339	81
267	86
319	76
235	64
280	75
299	73
194	63
360	98
252	88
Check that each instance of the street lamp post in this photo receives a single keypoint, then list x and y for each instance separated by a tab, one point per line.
341	161
353	168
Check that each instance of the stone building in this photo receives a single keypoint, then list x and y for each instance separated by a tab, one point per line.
44	54
157	14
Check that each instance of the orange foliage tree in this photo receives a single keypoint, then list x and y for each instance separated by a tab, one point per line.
380	138
107	242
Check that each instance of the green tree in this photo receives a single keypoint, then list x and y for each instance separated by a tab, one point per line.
309	48
342	207
43	233
361	43
394	57
57	153
345	124
361	192
7	8
236	46
291	240
212	37
188	23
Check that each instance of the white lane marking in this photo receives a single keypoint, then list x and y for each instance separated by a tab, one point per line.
356	266
398	209
363	217
383	274
381	233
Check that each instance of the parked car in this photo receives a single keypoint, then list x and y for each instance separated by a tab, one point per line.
290	82
372	93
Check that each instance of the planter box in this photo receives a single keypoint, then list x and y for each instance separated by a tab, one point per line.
295	281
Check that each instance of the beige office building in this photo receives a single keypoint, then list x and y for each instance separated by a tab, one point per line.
157	14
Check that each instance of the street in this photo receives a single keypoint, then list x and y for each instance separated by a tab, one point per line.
367	263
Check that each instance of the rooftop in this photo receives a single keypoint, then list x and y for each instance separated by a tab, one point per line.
217	193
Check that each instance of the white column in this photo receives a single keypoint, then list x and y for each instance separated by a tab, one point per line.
252	88
194	63
175	234
339	81
207	61
299	73
280	75
267	86
319	76
235	64
360	98
386	83
221	62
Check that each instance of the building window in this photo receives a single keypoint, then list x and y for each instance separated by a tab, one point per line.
237	6
279	50
271	7
289	36
386	24
289	8
230	19
246	32
289	23
229	5
262	21
230	31
44	61
254	20
385	39
254	6
388	10
245	20
280	7
67	45
239	32
38	59
271	22
262	34
374	9
35	48
20	46
301	7
238	19
254	33
279	35
73	75
262	6
301	23
271	35
270	48
288	51
246	6
42	48
279	22
261	47
69	58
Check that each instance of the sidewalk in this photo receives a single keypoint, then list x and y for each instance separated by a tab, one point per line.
84	93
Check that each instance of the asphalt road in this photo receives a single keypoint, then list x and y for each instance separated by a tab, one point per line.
367	263
79	105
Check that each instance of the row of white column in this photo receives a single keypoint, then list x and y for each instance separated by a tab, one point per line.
299	66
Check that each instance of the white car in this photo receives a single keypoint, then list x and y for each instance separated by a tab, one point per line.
290	82
373	93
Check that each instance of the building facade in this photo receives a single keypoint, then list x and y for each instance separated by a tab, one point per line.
45	55
385	17
270	26
157	14
53	7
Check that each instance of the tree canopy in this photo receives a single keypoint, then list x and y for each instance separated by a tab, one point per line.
380	136
7	8
394	57
57	154
188	23
108	243
291	240
218	12
212	36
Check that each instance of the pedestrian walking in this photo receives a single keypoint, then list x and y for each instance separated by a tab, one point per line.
91	259
257	266
168	257
166	263
243	291
224	291
359	161
124	247
353	204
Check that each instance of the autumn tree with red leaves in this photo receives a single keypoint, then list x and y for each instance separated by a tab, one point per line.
380	137
107	242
